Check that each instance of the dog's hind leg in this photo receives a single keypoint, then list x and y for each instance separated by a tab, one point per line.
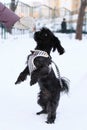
51	114
51	118
42	112
51	109
43	104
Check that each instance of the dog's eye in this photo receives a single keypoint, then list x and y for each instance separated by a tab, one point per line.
45	34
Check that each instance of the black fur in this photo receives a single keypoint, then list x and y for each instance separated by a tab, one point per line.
47	41
50	87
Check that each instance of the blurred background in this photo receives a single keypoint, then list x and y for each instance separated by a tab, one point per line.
50	13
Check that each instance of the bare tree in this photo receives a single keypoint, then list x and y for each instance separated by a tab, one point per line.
80	19
13	5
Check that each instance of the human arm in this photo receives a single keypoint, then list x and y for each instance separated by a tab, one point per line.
7	17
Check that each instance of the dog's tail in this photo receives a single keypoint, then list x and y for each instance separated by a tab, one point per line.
64	85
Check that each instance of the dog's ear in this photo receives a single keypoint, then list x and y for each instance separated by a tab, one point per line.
57	45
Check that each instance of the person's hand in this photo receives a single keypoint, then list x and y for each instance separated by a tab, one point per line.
25	23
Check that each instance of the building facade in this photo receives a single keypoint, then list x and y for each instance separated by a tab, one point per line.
69	4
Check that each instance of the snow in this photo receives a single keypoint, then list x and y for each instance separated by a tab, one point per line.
18	103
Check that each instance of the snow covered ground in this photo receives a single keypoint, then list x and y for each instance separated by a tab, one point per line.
18	103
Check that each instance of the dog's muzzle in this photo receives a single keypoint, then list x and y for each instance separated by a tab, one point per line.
30	61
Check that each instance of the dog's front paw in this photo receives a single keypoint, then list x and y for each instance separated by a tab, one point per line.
18	81
34	78
32	82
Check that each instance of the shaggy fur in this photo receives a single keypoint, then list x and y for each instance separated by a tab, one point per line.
50	87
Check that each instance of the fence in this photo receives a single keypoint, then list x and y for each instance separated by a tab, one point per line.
54	15
44	11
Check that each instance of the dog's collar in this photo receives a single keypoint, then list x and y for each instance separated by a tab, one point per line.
35	53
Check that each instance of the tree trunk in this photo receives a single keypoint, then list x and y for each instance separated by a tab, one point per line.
80	20
13	5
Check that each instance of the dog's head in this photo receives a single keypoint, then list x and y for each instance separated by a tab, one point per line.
44	35
46	41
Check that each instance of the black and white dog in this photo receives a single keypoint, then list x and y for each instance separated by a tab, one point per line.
40	70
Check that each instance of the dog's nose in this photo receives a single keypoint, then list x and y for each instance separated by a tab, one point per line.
36	35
